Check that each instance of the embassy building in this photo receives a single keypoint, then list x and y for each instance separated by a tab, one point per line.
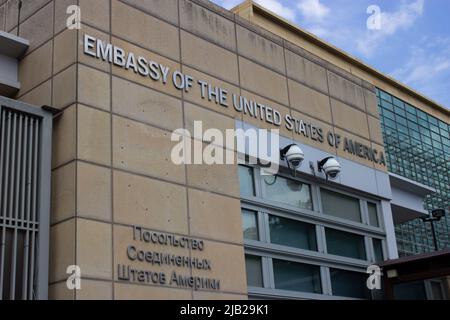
94	205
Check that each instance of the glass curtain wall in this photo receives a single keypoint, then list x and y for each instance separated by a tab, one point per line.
417	147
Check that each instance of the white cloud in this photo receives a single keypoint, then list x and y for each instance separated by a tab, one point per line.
278	8
423	66
313	9
391	22
428	68
403	18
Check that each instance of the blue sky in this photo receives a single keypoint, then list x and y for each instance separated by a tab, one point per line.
410	41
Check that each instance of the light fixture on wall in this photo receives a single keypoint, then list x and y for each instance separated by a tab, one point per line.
330	166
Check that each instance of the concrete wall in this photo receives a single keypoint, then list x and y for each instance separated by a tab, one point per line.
111	157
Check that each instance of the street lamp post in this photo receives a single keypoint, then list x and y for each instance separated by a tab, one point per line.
436	215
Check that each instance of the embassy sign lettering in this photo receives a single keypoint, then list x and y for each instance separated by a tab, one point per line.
157	72
156	258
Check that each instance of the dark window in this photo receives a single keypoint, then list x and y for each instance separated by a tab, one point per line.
340	205
296	276
292	233
373	214
349	284
246	181
378	249
250	224
253	268
410	291
345	244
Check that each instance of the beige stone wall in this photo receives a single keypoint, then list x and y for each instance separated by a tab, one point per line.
111	157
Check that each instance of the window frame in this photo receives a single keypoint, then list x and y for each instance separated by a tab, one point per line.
263	192
268	251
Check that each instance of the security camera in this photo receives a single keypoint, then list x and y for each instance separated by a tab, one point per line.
330	166
293	155
438	213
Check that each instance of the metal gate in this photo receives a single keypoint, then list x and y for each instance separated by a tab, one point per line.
25	169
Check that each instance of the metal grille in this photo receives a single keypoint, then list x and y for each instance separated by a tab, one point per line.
19	218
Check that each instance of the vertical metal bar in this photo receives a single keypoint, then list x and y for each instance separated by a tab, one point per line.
3	158
13	165
11	192
433	231
15	211
25	221
28	200
30	208
34	204
23	170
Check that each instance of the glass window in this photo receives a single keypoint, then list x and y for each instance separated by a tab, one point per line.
385	96
253	268
388	114
410	291
402	121
389	123
400	112
434	128
289	192
432	120
349	284
436	136
437	290
378	249
411	117
422	114
250	224
413	125
296	276
402	128
424	123
387	105
443	125
373	214
399	103
425	131
410	108
345	244
426	140
404	138
292	233
246	181
340	205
